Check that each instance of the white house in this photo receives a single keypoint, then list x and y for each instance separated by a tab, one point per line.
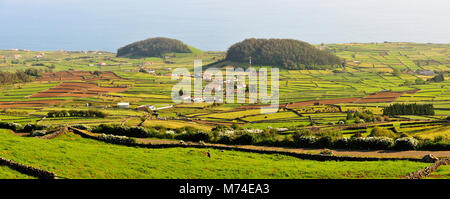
166	107
198	99
144	107
185	97
123	105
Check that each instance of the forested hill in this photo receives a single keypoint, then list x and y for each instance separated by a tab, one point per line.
286	53
153	47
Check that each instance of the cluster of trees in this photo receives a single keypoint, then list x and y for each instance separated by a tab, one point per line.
409	109
153	47
418	81
77	113
19	76
364	116
286	53
438	78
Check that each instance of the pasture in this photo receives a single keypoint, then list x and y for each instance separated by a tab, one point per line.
65	156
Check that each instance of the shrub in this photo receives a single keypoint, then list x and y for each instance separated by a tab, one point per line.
433	145
138	132
245	139
357	143
31	127
381	132
38	133
370	143
117	139
381	142
341	143
304	141
195	137
10	125
406	143
267	142
324	142
225	139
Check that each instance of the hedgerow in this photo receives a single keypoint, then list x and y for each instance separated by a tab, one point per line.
11	125
406	143
117	139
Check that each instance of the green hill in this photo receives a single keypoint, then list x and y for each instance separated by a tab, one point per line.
153	47
285	53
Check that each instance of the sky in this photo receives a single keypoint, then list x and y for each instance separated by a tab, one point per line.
216	25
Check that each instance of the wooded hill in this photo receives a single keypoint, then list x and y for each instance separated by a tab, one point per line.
153	47
285	53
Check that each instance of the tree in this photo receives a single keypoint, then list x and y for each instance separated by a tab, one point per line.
181	92
419	81
396	72
438	78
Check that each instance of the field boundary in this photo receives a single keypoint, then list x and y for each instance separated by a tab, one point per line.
422	173
55	134
28	170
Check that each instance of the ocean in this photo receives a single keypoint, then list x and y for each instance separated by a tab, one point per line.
215	25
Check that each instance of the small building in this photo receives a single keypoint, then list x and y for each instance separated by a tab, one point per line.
145	107
185	97
426	72
165	107
123	105
198	99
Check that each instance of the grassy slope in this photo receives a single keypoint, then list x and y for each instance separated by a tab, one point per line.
8	173
74	157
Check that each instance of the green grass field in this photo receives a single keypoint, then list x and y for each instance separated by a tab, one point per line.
71	156
8	173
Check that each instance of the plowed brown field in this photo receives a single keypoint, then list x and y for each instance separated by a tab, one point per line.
76	89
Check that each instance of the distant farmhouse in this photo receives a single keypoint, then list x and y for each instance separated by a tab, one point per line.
123	105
